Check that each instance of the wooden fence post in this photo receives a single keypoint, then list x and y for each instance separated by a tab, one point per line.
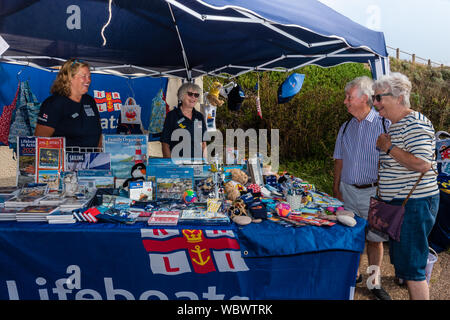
413	58
397	53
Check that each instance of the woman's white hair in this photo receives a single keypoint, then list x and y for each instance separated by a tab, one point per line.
188	86
364	85
396	83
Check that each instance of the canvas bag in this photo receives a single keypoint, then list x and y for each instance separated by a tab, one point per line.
388	218
5	118
24	118
130	113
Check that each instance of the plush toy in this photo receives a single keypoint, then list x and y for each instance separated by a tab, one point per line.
138	173
234	187
213	95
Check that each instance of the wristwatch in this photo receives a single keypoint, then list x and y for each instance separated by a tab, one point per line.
389	149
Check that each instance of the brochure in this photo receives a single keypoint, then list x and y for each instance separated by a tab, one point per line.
126	151
26	160
88	160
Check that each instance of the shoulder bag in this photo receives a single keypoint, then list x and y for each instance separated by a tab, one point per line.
388	218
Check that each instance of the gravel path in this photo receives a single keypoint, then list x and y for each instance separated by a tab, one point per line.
439	283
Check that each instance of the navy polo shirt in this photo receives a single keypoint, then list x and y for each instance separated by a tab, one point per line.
78	122
176	120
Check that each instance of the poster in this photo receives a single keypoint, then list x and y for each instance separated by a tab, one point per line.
88	160
126	151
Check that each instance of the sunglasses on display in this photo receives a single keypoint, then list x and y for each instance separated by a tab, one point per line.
190	94
377	97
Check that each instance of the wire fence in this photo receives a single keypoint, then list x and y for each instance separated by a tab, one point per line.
413	58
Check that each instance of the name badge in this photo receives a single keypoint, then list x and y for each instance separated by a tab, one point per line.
75	115
88	110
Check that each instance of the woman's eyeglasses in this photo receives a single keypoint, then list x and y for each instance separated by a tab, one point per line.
377	97
193	94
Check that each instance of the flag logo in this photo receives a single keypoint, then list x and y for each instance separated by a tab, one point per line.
107	101
173	252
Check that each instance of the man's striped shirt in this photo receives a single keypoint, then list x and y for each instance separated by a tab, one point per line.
415	134
357	148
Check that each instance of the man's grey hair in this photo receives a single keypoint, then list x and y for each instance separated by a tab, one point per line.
364	85
396	83
188	86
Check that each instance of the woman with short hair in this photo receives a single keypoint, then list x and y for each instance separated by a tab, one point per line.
187	118
407	151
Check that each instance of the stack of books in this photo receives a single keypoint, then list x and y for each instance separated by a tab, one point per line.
60	217
8	214
35	213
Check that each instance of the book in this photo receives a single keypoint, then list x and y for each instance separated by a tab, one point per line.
141	190
88	161
164	218
95	179
26	160
49	160
73	203
126	151
52	200
201	217
60	217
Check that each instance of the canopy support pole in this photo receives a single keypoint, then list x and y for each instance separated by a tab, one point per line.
186	63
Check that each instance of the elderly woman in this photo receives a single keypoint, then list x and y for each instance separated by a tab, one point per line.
407	151
70	112
190	123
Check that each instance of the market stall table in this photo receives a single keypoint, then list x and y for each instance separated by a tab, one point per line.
106	261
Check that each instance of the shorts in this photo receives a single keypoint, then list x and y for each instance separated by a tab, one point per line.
409	255
358	201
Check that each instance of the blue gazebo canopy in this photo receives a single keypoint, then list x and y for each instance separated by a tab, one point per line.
186	38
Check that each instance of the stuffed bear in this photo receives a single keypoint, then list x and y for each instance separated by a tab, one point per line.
234	187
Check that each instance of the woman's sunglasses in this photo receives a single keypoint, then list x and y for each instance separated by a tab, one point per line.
190	94
377	97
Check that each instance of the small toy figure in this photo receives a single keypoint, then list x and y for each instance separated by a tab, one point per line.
234	187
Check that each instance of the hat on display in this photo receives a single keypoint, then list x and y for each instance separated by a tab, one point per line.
290	87
235	98
226	88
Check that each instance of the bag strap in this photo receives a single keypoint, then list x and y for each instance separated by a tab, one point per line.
410	192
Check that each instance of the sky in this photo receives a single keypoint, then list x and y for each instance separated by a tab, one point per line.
421	27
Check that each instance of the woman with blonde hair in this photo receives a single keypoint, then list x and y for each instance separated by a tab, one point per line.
70	112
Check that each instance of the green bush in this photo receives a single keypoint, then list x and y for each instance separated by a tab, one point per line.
308	124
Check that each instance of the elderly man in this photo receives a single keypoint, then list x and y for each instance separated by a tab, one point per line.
356	169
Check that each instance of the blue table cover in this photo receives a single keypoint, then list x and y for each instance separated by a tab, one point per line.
105	261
